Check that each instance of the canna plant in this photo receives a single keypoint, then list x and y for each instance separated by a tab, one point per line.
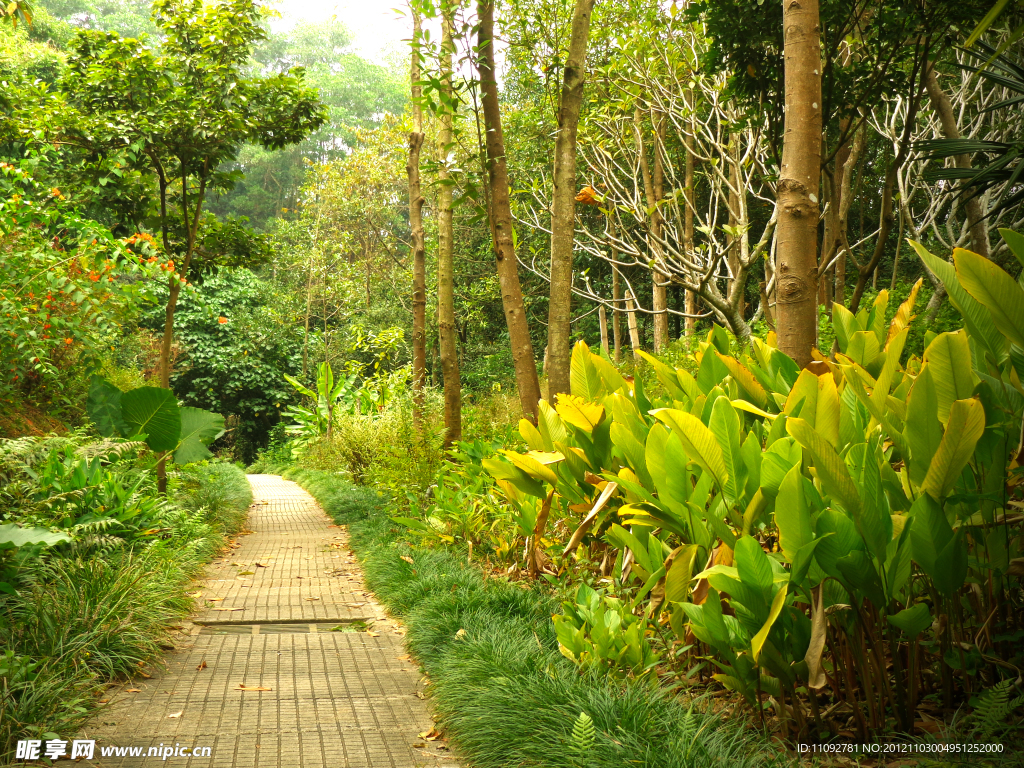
848	533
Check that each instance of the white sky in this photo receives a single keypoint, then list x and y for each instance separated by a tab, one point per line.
377	28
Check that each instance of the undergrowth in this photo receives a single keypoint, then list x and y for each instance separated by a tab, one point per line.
80	617
501	690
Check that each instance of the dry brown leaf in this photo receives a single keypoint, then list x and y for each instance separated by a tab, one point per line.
202	665
373	634
243	687
143	674
431	735
262	565
103	701
176	714
229	609
214	599
312	598
133	690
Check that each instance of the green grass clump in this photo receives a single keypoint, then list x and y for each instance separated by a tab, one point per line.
83	616
501	689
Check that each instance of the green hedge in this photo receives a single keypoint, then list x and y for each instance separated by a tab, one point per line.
501	689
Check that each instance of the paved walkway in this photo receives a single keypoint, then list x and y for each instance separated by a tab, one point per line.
290	663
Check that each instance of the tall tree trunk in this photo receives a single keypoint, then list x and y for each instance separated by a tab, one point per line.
616	299
660	292
191	226
652	181
736	217
845	203
797	271
419	261
602	318
563	204
691	297
501	218
940	103
446	329
634	330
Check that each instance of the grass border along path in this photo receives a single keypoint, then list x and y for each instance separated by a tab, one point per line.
501	690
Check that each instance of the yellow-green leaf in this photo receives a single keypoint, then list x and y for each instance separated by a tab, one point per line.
762	634
963	430
698	442
995	289
953	375
578	412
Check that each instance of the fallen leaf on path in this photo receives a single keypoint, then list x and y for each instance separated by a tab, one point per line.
214	599
229	609
242	687
133	690
312	598
262	565
177	714
246	573
103	701
373	634
419	746
195	594
431	735
143	674
406	657
202	665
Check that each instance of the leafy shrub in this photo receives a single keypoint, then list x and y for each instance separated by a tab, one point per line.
500	688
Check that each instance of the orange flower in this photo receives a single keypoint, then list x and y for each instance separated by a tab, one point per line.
68	341
222	320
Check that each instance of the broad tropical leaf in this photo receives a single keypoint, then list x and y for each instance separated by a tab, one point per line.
199	428
832	470
152	411
698	442
952	372
994	288
104	408
963	430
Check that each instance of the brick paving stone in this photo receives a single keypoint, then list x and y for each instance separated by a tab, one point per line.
341	695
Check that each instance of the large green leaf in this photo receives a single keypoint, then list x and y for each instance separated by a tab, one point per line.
152	411
994	288
199	428
752	564
952	370
923	431
976	317
963	430
104	408
913	621
584	380
14	536
816	400
725	426
793	514
1015	242
698	442
832	471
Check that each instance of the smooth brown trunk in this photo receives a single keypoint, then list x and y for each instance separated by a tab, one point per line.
419	261
563	204
944	109
736	215
446	330
616	302
501	218
659	282
602	317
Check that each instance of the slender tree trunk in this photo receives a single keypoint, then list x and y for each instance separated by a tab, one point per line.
419	261
796	276
975	215
446	329
660	284
501	218
191	226
691	297
616	301
634	330
602	318
736	218
563	204
845	203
